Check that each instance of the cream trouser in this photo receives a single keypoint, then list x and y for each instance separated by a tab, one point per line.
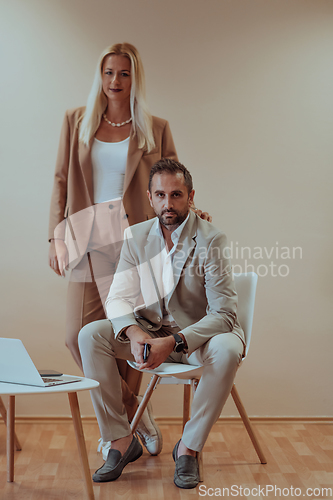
220	357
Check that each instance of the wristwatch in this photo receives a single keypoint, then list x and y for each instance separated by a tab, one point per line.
180	344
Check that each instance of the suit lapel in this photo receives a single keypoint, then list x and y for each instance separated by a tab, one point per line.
133	158
153	256
186	245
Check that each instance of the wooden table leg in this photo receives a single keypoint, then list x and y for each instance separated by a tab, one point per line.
3	412
10	438
186	404
81	444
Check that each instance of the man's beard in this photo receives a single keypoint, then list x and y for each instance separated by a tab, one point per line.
173	223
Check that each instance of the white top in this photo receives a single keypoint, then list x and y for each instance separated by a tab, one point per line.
109	164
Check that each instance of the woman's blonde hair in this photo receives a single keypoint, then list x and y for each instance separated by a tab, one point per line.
97	100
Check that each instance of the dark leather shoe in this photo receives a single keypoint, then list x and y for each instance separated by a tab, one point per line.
187	470
115	462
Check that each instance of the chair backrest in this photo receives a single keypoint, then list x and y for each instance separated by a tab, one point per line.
246	285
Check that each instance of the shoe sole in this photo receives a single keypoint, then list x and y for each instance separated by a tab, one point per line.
185	486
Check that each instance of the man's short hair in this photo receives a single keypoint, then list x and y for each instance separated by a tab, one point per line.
171	167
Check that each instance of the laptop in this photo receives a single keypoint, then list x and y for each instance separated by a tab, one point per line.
16	367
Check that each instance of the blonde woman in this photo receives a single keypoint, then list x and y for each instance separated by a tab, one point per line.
105	155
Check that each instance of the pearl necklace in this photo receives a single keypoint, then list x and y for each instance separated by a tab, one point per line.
116	124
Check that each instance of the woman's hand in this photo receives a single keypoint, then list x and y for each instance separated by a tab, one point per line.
200	213
58	257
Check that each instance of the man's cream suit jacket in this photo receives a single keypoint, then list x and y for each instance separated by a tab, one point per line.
202	298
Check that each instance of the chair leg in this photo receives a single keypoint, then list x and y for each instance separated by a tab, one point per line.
186	404
3	413
149	391
200	463
186	417
248	425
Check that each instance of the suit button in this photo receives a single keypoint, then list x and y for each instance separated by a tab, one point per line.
149	327
111	206
158	318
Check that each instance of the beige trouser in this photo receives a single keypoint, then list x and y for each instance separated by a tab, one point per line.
89	286
220	357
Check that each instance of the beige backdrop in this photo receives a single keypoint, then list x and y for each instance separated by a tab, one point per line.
247	86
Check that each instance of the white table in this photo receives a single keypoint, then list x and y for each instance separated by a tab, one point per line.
71	389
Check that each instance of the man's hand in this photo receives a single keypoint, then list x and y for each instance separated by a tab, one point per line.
138	338
160	349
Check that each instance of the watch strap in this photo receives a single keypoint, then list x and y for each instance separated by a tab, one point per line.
180	344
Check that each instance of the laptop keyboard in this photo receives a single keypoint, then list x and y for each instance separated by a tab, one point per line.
47	379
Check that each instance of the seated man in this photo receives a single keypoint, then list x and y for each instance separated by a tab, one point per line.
174	290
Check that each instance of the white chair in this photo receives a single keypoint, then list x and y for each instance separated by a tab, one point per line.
189	375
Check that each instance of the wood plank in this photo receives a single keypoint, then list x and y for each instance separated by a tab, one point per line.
49	471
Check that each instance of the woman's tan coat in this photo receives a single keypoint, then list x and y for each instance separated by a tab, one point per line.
73	182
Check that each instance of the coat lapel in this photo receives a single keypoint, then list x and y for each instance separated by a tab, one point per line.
86	167
133	158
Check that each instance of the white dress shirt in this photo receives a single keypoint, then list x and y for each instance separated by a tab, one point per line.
167	266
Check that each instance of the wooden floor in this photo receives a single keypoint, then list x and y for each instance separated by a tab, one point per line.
299	456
